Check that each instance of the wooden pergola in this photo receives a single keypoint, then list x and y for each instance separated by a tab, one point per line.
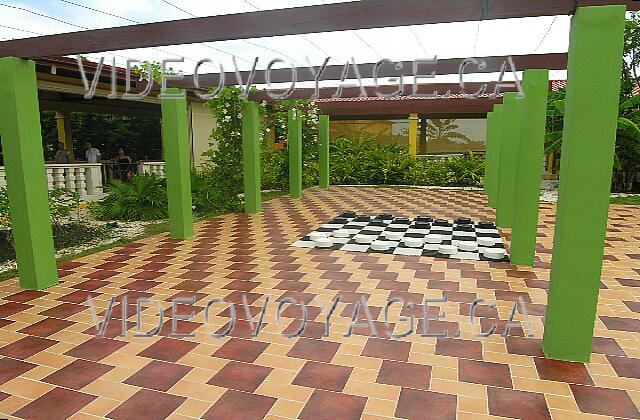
514	148
298	20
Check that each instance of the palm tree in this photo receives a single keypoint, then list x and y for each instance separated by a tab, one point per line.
627	153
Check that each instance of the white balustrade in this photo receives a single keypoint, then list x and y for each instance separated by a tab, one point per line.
156	168
83	178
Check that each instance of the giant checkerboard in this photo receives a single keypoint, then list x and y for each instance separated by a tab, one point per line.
461	238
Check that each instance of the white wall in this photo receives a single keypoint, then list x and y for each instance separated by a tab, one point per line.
202	123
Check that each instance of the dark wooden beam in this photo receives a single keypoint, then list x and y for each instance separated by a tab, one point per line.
553	61
353	92
408	106
101	107
299	20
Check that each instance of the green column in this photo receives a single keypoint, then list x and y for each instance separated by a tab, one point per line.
251	158
25	174
324	151
508	154
494	164
529	167
591	110
294	143
177	156
488	144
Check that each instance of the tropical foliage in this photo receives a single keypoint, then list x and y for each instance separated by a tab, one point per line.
222	168
143	198
627	149
223	164
276	117
364	161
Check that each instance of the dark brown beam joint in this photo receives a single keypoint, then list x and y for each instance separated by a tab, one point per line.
553	61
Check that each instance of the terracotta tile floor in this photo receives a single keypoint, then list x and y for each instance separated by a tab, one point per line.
53	366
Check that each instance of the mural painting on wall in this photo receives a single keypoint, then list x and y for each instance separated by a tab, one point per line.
455	135
383	131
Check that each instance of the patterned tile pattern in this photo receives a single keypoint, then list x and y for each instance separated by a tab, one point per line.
52	365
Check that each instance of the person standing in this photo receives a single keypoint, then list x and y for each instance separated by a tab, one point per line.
125	169
93	155
62	154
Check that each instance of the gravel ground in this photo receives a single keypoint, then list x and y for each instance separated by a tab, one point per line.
124	230
549	192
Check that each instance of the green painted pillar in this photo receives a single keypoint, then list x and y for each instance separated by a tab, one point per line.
529	167
251	158
294	143
324	151
494	163
591	110
25	174
488	144
509	142
177	156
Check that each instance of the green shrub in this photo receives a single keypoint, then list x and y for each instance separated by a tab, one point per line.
208	200
362	160
466	171
143	198
223	162
427	172
274	169
277	116
5	215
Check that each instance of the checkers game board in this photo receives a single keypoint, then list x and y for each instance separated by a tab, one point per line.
461	238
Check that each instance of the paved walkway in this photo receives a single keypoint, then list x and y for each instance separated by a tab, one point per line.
53	366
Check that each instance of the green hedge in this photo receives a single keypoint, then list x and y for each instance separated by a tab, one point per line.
362	161
144	198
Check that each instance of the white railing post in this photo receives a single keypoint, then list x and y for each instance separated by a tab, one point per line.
70	178
81	185
58	177
49	178
156	168
82	178
94	179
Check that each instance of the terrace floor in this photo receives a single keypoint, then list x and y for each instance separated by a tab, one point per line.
52	365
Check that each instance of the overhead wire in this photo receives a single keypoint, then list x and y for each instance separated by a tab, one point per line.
362	39
41	34
546	33
140	23
244	40
415	35
306	38
20	30
85	28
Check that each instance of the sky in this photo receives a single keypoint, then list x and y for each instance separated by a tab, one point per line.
21	19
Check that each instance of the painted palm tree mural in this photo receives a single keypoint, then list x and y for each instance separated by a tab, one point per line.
445	136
